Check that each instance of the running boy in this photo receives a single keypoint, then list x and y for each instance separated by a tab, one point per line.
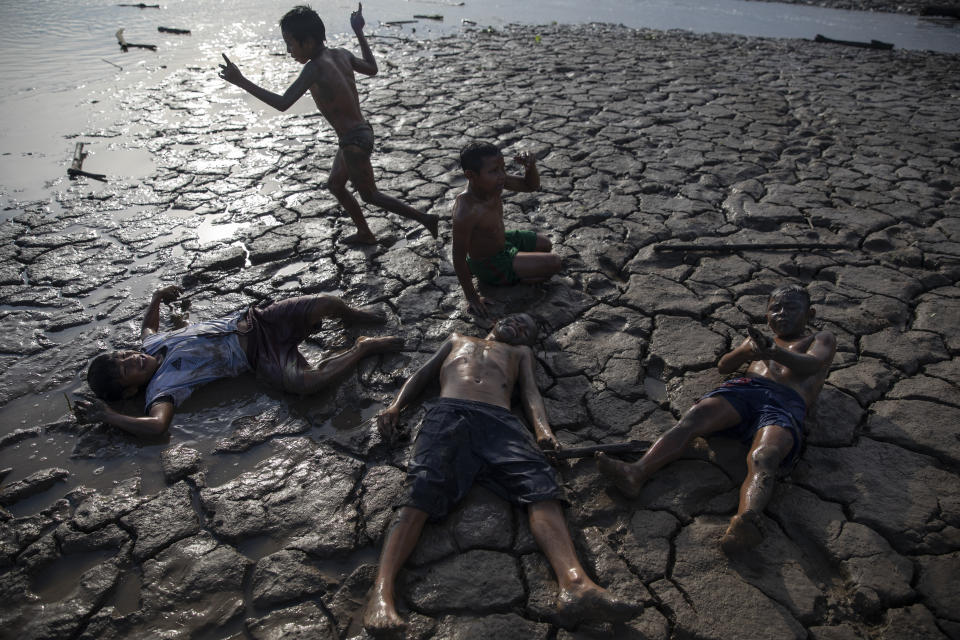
766	408
329	76
481	246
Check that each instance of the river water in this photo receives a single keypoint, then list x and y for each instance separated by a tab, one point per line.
60	63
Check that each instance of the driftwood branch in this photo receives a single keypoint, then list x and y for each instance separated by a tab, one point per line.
423	16
616	448
747	246
180	32
124	45
76	167
140	6
873	44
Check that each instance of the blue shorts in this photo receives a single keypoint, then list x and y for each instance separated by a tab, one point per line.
761	403
461	441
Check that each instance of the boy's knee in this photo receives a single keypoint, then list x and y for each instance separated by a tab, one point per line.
368	195
543	243
766	458
556	262
336	187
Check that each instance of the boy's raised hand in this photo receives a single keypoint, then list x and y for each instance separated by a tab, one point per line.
526	159
356	19
229	71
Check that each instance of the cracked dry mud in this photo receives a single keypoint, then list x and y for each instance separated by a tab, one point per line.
642	137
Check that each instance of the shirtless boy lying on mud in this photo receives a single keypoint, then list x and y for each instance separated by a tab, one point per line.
171	364
766	408
471	434
481	246
328	75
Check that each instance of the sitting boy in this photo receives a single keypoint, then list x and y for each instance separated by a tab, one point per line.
171	364
481	246
328	75
469	434
766	408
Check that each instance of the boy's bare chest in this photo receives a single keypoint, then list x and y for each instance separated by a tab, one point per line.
490	219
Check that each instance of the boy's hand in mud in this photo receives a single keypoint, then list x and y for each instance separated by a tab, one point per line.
386	422
548	442
356	19
168	294
229	71
526	159
90	411
478	307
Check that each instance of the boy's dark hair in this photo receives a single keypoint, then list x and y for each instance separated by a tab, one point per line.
472	155
103	376
302	22
790	290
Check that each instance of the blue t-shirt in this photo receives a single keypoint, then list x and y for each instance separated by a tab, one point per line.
195	355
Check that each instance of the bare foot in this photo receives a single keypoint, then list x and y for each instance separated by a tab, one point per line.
381	619
622	474
432	223
744	533
369	315
593	603
379	344
360	238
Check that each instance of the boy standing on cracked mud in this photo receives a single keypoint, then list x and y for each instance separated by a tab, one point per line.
481	245
766	408
329	76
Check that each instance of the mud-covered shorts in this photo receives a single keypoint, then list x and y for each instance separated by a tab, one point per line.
761	403
274	334
498	268
360	136
461	441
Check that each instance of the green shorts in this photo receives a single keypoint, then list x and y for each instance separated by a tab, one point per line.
498	268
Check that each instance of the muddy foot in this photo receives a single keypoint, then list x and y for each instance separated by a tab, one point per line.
360	238
593	603
432	223
744	533
381	620
369	315
622	475
380	344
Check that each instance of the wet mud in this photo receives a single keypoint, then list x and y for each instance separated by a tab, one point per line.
260	515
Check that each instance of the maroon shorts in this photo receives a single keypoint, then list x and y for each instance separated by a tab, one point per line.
274	334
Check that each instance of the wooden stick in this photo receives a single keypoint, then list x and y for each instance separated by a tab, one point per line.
422	16
140	6
873	44
748	246
124	45
633	446
181	32
76	167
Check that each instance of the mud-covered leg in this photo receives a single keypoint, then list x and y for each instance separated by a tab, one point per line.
380	617
770	446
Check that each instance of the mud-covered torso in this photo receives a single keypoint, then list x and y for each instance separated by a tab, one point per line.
480	370
488	236
335	91
808	386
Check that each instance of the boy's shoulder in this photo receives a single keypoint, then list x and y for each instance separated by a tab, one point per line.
468	205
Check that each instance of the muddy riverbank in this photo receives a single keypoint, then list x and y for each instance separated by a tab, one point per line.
260	515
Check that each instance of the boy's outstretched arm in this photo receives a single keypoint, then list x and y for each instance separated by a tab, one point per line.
531	177
154	424
387	419
231	73
533	403
367	65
